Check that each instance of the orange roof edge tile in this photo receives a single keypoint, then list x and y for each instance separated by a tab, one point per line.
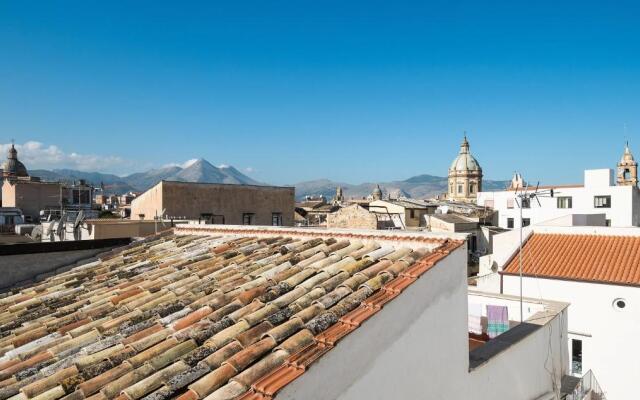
580	257
295	366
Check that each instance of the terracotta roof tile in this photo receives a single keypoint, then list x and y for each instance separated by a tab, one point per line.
591	258
191	316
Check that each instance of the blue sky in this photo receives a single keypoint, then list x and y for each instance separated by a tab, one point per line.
351	91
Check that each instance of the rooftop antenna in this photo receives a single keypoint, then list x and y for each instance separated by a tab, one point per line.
523	195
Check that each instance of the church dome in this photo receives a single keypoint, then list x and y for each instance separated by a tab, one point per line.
12	166
377	193
465	161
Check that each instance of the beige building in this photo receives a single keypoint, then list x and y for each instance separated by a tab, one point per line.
401	214
627	169
216	203
31	196
25	192
465	175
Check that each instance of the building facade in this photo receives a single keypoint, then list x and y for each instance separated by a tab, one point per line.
38	199
465	175
216	203
620	204
597	271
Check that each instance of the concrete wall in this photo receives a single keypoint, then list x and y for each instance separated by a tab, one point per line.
609	335
354	217
105	229
624	211
191	200
27	262
417	348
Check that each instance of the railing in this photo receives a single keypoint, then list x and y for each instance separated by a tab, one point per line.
587	389
8	228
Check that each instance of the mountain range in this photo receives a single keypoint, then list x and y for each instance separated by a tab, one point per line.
198	171
201	170
420	187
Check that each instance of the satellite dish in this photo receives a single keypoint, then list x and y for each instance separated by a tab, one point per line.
61	227
79	219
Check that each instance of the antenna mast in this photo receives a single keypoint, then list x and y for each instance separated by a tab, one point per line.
522	196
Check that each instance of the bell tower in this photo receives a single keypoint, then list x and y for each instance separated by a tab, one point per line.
627	169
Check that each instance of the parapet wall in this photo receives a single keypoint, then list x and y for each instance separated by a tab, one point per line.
28	262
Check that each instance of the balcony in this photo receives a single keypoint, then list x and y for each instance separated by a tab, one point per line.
585	388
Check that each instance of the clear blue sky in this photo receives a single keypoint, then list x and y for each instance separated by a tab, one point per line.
352	91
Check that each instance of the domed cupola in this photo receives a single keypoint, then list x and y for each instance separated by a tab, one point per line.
377	193
465	175
465	161
13	167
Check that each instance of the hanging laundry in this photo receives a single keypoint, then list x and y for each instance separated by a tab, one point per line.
475	318
497	320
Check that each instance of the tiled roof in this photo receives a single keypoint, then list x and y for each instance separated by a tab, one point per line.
192	317
594	258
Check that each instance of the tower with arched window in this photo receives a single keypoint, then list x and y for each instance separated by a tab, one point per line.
627	169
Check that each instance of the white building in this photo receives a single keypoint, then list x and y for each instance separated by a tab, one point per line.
620	204
597	271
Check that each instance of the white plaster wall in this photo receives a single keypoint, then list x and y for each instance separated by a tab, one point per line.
624	211
609	336
529	370
416	347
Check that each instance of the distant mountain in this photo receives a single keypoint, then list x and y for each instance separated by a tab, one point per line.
144	180
420	186
200	171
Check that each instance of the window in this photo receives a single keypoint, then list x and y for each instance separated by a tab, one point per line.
576	356
451	188
247	218
627	174
473	243
607	222
459	189
565	202
472	187
412	213
276	219
602	201
140	216
526	221
526	203
510	203
510	223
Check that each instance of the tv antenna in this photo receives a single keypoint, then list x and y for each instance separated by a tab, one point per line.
526	195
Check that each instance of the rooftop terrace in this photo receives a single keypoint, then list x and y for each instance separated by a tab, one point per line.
224	313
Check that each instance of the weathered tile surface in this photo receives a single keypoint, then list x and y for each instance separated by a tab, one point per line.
194	317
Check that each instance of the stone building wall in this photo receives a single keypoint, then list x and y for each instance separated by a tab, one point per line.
353	217
222	203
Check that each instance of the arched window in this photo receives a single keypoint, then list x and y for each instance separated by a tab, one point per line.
472	187
627	174
451	188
